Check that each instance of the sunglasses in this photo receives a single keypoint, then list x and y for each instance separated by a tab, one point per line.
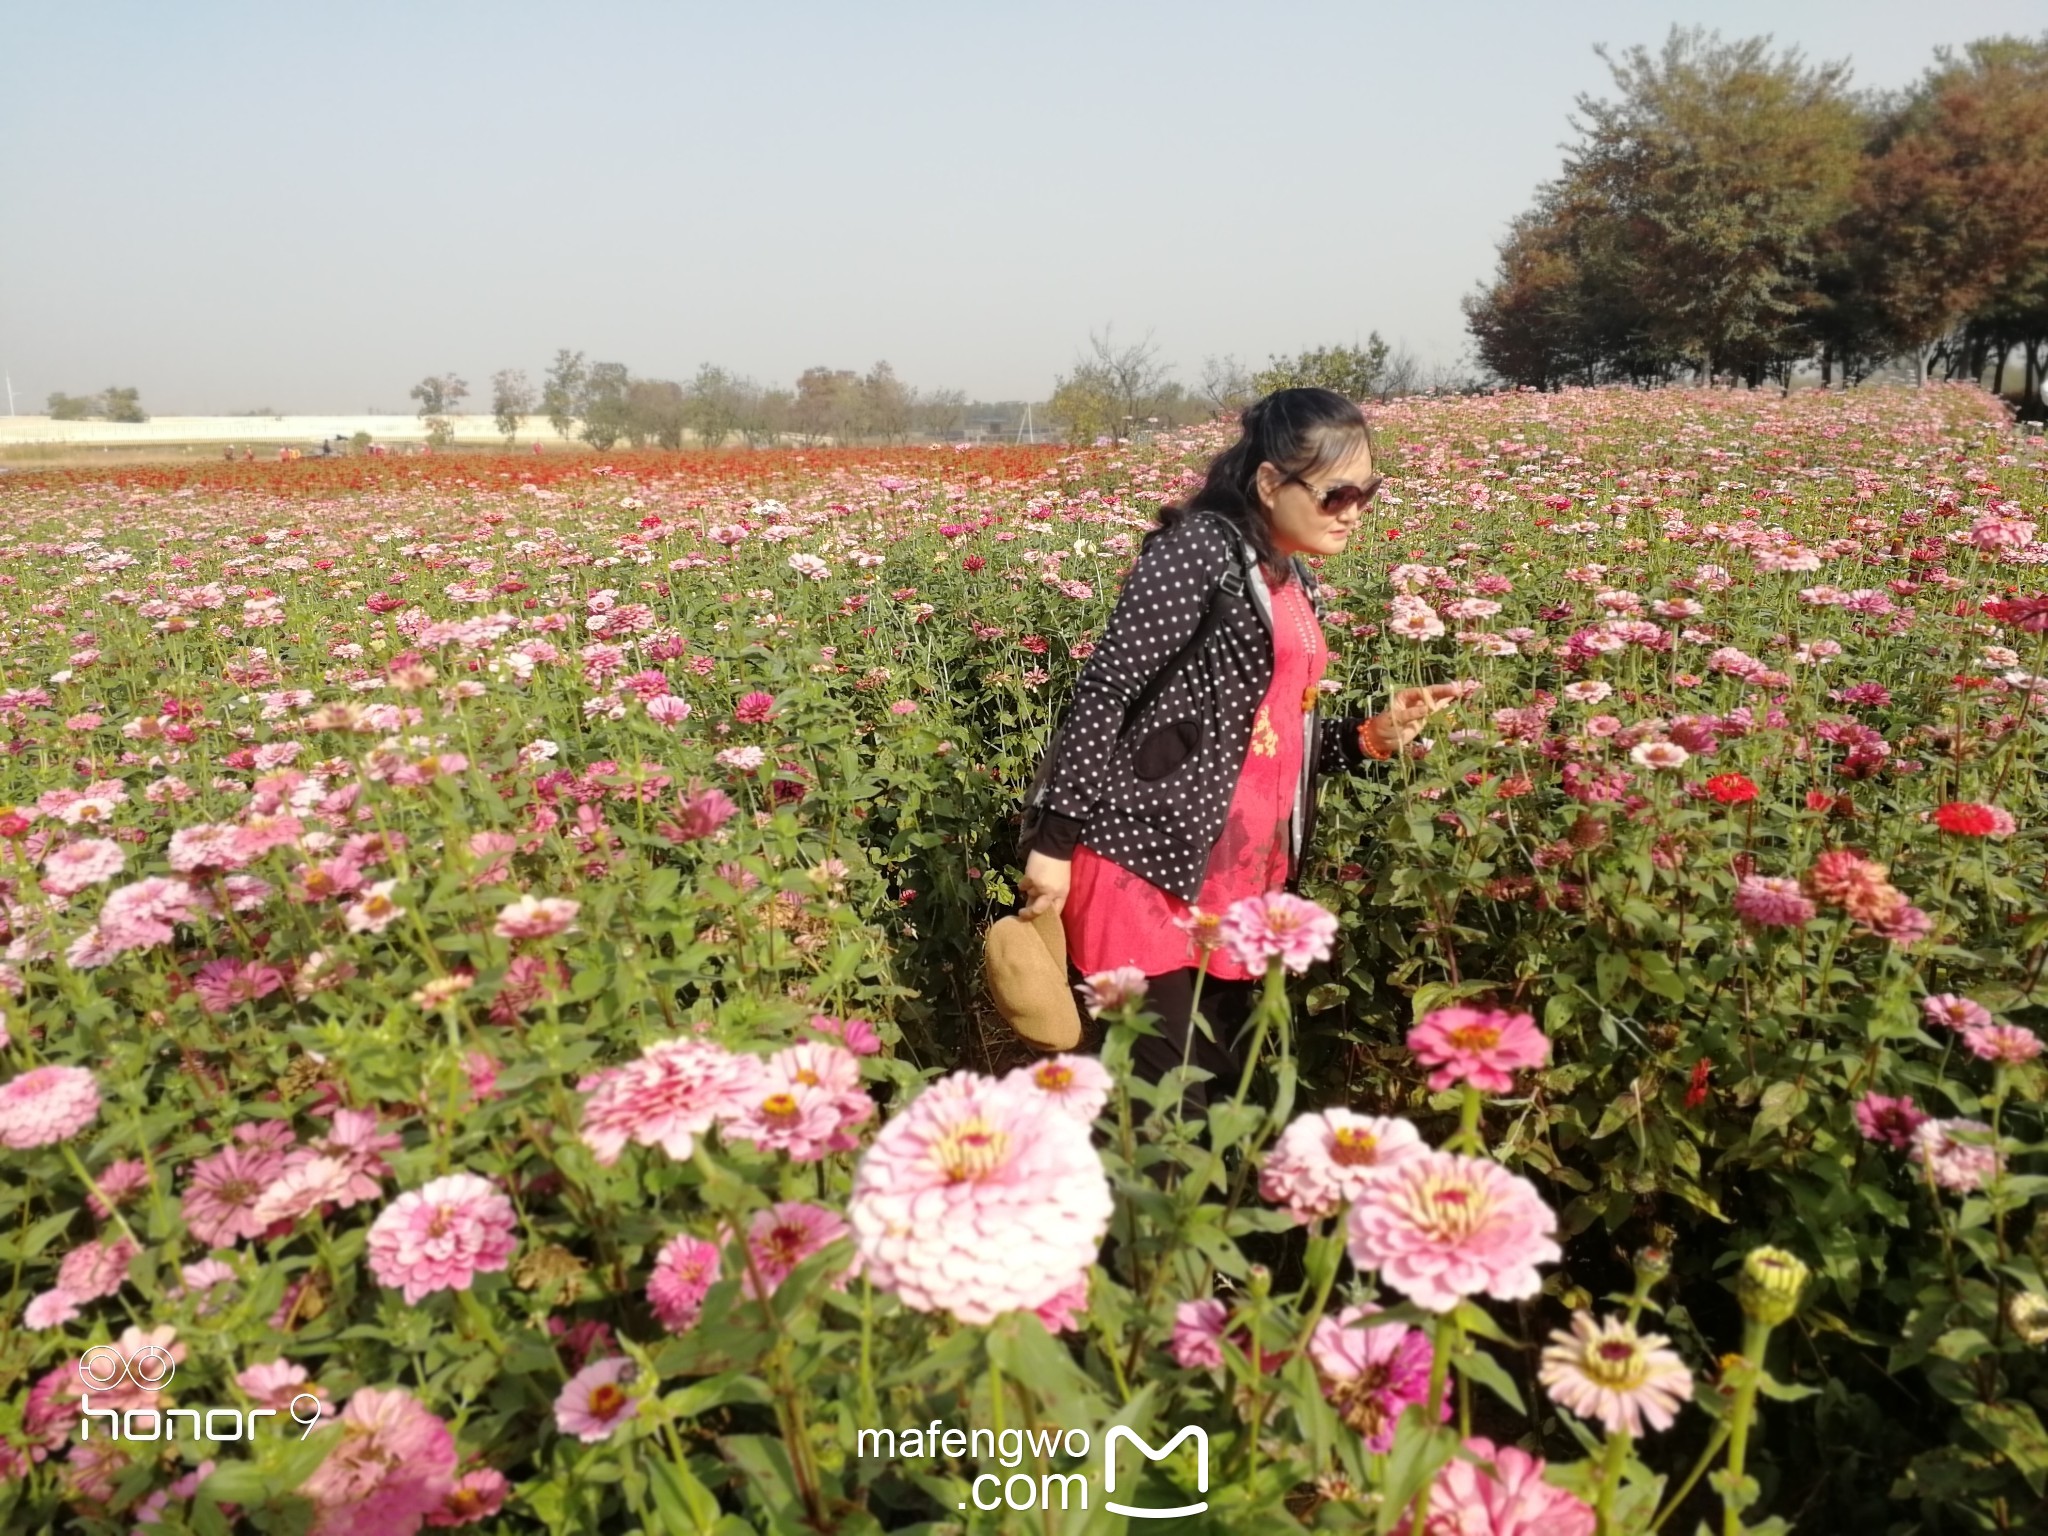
1336	500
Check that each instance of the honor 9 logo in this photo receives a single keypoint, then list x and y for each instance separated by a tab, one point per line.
104	1368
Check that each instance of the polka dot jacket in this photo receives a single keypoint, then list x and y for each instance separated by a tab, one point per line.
1152	793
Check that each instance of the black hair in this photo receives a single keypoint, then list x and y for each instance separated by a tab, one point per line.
1297	431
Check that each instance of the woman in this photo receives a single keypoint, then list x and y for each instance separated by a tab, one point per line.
1185	771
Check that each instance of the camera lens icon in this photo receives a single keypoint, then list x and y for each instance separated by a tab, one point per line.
103	1367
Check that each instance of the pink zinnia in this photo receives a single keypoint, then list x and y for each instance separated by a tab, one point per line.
783	1236
1483	1047
93	1270
1198	1334
301	1189
1112	989
1606	1371
221	1192
1509	1498
754	708
1953	1012
1063	1311
1260	927
274	1383
536	917
1957	1164
699	816
224	985
374	910
477	1495
668	1098
2006	1044
46	1105
594	1403
354	1141
1323	1161
668	710
979	1198
807	1101
857	1035
1893	1122
1442	1227
1078	1084
1370	1372
439	1236
1766	901
70	869
684	1271
391	1466
49	1309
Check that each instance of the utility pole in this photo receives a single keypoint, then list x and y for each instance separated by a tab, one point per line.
10	394
1025	431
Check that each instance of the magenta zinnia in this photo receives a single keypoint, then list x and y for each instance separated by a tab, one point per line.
1502	1493
980	1198
1442	1227
438	1237
1370	1372
392	1466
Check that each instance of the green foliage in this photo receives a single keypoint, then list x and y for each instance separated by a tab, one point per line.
1355	372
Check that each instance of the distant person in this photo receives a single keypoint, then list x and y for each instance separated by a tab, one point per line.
248	455
230	454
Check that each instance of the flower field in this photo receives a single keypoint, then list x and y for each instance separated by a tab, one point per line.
491	977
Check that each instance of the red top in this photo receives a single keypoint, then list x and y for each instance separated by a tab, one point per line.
1116	918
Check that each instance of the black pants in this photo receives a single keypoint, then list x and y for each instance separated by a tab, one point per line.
1227	1005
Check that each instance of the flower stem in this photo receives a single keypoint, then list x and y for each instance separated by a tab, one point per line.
1610	1479
1756	1335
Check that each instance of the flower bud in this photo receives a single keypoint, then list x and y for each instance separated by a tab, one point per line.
1653	1264
1771	1282
1261	1279
2027	1311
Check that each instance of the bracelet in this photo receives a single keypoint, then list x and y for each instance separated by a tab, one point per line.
1365	742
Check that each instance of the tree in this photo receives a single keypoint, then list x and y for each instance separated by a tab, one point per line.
122	405
1226	384
656	411
765	416
1727	166
511	401
1954	206
1353	372
941	413
827	402
1112	390
887	405
562	391
714	404
438	393
603	403
63	407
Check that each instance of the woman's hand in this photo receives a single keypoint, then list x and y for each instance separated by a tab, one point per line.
1045	881
1402	720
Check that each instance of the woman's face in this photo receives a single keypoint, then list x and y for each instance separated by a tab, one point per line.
1300	525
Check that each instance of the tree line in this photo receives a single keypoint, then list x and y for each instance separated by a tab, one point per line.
1735	212
604	404
109	404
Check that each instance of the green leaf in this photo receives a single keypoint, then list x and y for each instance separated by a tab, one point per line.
2014	1431
1779	1106
1488	1372
1610	973
685	1503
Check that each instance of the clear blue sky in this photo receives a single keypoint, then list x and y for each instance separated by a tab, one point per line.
232	205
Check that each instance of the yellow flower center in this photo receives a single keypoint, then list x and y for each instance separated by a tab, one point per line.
779	1107
1054	1078
1473	1037
1615	1363
1354	1148
970	1150
606	1399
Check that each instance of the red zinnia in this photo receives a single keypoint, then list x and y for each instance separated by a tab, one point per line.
1731	788
1696	1090
1967	818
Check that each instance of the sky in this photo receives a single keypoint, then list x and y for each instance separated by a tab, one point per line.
307	207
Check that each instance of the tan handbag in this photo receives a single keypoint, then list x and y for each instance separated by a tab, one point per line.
1026	964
